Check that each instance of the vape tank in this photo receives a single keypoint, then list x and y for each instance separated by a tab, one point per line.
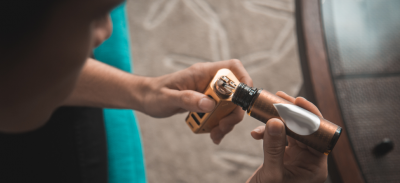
302	125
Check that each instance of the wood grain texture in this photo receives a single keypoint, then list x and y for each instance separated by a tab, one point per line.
322	86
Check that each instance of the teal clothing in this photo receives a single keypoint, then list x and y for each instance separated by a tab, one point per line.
125	152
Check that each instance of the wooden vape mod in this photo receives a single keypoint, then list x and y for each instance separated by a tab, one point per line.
220	89
262	105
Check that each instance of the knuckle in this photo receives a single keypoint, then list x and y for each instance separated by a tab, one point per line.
226	128
274	150
236	61
236	117
195	65
185	99
197	68
199	65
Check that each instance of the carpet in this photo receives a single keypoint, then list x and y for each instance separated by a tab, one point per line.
170	35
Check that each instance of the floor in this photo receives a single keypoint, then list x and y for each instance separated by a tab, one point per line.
170	35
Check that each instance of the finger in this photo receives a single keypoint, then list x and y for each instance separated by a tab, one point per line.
258	133
292	141
190	100
234	65
304	103
216	135
180	110
274	145
315	152
227	123
285	96
311	150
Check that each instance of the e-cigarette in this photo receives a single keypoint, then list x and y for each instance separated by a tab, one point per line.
302	125
220	89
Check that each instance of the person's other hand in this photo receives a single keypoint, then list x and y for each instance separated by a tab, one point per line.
183	91
293	163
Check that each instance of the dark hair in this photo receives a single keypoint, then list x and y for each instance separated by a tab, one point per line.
21	19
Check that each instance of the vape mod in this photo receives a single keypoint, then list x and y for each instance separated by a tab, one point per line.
219	89
302	125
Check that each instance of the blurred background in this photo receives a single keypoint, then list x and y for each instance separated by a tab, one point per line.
170	35
341	55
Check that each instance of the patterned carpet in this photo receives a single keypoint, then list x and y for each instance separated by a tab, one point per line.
169	35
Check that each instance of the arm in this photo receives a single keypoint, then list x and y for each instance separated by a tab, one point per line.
100	85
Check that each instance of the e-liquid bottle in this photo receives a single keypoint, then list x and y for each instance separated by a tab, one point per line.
301	124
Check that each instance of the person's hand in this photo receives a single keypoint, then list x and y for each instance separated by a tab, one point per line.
293	163
182	91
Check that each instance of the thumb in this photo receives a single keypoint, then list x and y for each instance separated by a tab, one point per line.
191	100
274	146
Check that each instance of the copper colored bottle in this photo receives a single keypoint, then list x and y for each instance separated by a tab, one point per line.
302	125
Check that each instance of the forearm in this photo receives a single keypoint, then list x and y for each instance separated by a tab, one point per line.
100	85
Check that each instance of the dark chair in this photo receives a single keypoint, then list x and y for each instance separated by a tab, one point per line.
353	76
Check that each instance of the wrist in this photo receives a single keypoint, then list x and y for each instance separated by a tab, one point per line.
140	92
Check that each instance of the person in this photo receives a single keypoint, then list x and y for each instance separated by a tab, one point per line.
45	48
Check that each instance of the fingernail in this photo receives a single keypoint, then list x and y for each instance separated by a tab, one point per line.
206	104
257	130
275	128
217	142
